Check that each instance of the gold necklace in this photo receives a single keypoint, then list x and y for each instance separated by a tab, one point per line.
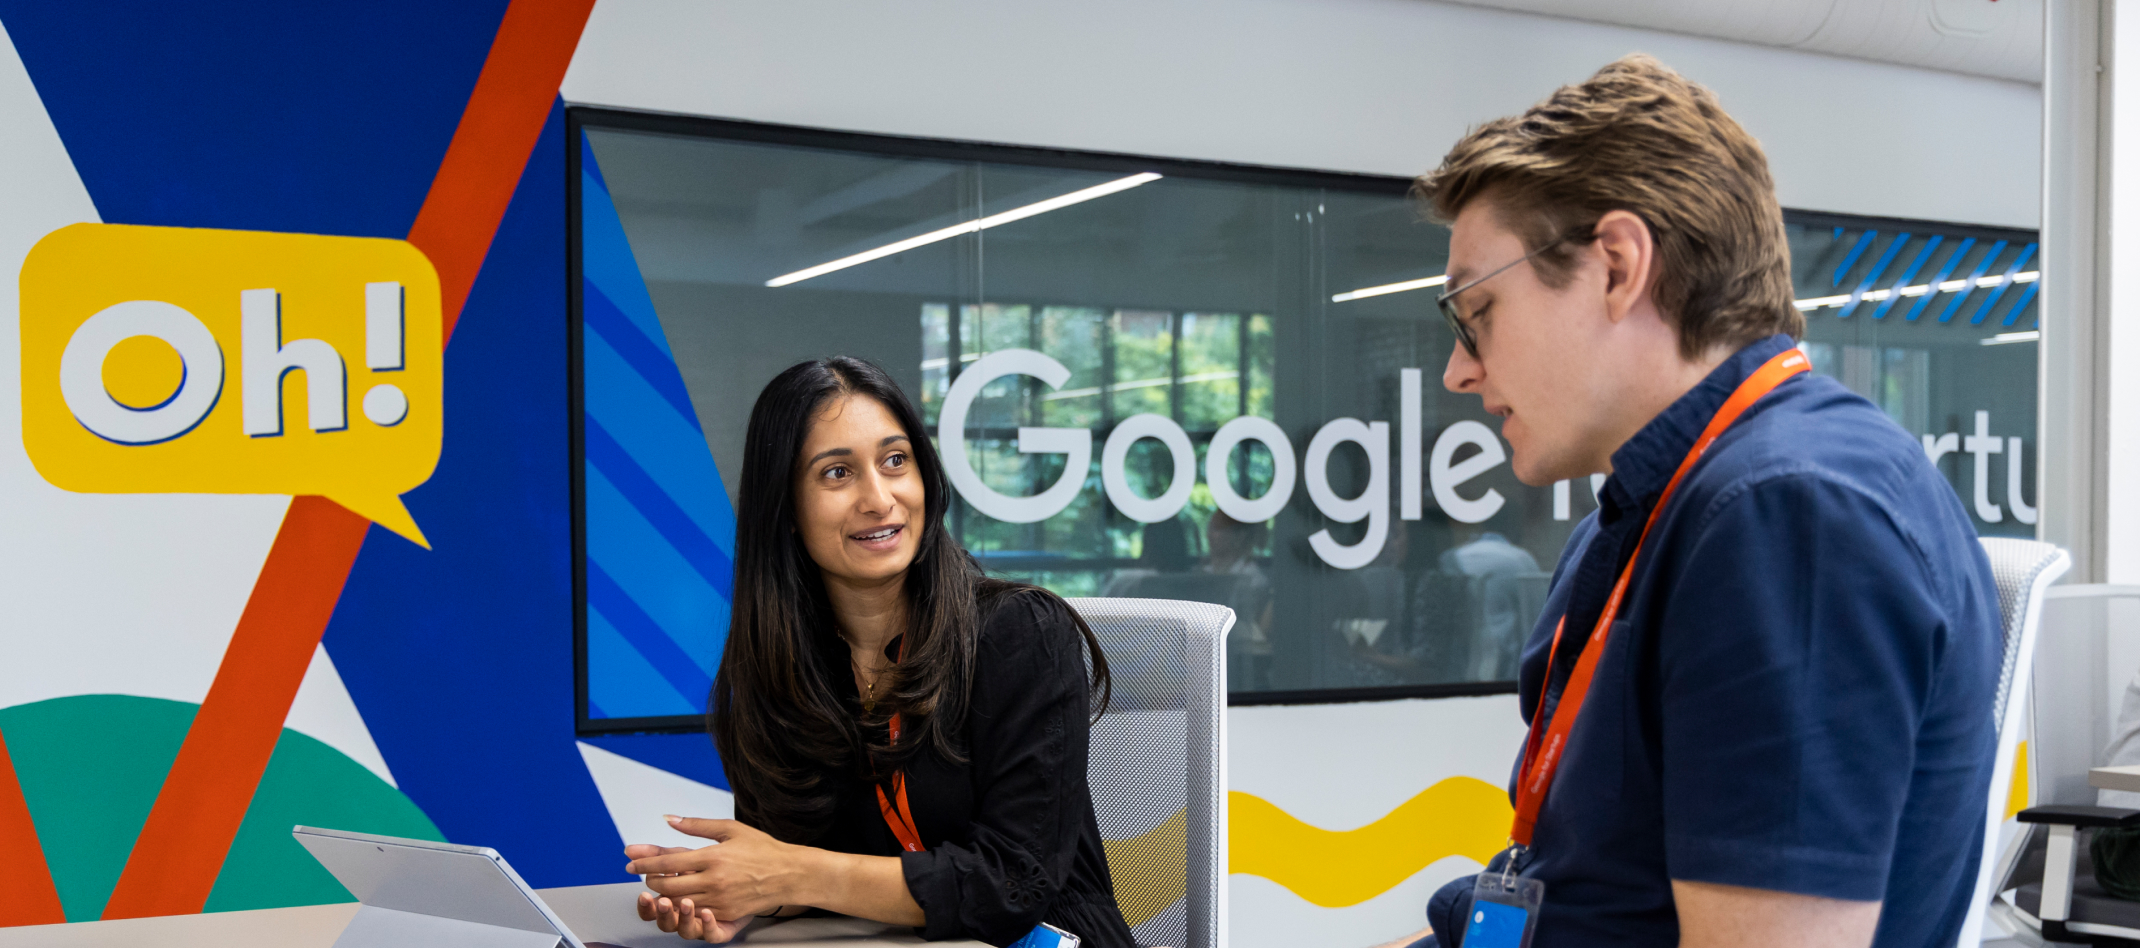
869	687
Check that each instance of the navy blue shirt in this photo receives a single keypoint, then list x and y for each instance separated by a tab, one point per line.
1797	694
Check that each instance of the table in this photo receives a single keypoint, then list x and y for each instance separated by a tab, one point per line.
2115	778
596	913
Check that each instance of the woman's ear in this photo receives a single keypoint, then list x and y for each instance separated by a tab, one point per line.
1630	253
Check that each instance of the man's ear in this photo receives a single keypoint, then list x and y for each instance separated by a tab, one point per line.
1630	255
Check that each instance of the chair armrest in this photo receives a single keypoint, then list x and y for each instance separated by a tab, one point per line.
2060	854
2089	816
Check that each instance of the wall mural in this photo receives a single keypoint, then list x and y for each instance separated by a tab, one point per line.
285	521
255	233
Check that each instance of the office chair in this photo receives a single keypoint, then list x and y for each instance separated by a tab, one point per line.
2023	570
2083	662
1158	765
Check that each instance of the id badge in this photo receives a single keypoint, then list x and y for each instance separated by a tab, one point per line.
1045	935
1504	910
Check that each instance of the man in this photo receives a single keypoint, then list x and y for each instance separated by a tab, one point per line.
1786	735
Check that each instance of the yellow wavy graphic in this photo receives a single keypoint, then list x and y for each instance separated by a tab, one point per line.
1460	816
1151	871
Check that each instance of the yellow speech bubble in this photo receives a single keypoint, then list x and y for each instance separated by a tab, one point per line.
182	360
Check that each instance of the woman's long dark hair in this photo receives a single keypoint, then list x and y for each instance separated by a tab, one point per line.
775	713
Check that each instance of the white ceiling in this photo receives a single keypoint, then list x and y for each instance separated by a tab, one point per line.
2002	39
1375	86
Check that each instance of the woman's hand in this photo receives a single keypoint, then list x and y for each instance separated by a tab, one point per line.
682	917
685	918
746	873
750	873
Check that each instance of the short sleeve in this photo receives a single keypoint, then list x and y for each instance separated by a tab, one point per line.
1799	646
1028	741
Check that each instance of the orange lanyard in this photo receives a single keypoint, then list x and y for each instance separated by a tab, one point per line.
1542	759
902	820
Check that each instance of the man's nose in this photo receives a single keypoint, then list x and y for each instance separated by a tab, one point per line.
1463	372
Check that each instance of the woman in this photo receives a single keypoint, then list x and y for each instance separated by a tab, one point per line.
906	738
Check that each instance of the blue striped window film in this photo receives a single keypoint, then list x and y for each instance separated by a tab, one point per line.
660	532
1889	264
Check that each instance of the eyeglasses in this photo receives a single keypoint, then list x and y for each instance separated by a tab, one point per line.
1447	301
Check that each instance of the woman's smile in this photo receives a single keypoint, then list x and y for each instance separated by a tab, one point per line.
882	539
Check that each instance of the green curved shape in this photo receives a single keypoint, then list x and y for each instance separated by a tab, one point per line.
91	766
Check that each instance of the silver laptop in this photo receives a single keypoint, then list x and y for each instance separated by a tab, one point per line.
418	893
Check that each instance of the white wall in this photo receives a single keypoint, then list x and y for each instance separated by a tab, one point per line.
2121	335
1344	768
1382	86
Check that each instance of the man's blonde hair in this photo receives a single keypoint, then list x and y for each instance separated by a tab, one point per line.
1641	138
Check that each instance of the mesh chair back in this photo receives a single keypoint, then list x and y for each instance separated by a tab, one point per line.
1158	765
2022	570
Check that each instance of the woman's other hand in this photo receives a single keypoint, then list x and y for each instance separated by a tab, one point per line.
686	919
682	917
746	873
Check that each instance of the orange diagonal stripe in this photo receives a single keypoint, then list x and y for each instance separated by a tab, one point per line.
27	896
505	115
189	830
181	849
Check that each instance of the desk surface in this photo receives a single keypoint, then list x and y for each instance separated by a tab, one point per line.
2115	778
596	913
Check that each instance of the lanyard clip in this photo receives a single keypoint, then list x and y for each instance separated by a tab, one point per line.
1509	856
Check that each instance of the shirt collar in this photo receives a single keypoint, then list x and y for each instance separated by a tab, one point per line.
1642	466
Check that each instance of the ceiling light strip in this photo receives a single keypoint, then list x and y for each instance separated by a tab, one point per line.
1922	289
1388	288
993	220
1841	300
2009	338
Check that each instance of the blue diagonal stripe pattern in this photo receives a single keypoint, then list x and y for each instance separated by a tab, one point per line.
606	258
1945	270
656	575
660	534
667	517
1894	293
645	635
2006	282
1880	267
664	443
1851	258
632	686
2027	296
1983	264
648	359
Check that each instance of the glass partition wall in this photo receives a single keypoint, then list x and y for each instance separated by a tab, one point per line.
1147	378
1937	324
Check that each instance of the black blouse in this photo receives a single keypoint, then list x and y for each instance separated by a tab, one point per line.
1010	834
